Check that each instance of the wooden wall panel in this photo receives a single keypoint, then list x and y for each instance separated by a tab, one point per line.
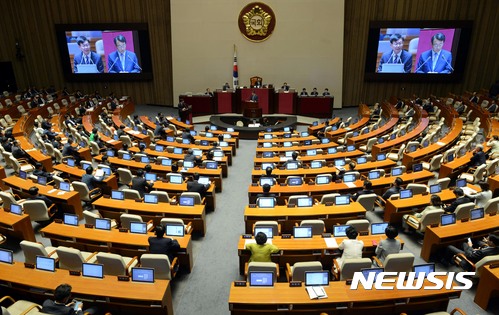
32	23
483	58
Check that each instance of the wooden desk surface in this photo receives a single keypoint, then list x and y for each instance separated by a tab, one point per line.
110	181
309	158
132	294
314	129
17	225
299	139
487	287
69	200
397	142
114	208
436	238
341	132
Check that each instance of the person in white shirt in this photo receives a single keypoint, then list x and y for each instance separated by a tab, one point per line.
351	247
483	196
494	144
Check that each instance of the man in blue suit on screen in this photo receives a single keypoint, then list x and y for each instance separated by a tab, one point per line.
90	60
122	60
435	60
397	56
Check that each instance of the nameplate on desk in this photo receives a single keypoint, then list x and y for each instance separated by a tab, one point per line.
363	233
252	205
138	200
123	230
284	236
291	205
492	214
434	225
173	203
328	204
295	283
465	219
257	168
282	168
74	273
311	183
326	235
348	282
425	193
106	196
282	184
254	184
239	283
123	278
89	226
496	265
28	265
247	236
58	221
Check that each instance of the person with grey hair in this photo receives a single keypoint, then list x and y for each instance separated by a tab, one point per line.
478	157
396	56
122	60
460	199
437	59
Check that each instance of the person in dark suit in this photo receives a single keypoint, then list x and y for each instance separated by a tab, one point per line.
162	245
226	86
122	60
86	56
304	92
183	110
474	251
460	199
395	189
368	189
474	98
397	55
208	92
17	151
69	150
314	92
189	156
326	92
285	87
62	305
40	172
478	157
492	108
89	179
435	60
140	184
195	186
34	195
254	97
265	192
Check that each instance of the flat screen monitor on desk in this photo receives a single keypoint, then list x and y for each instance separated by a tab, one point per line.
316	278
424	268
325	140
292	165
103	224
70	219
151	177
45	263
174	230
267	136
16	209
405	193
340	230
350	148
269	144
305	202
447	219
302	232
316	164
435	189
295	181
332	150
176	179
266	202
267	180
42	180
311	152
223	144
188	164
361	160
307	142
177	151
349	178
381	157
322	179
166	162
186	201
397	171
6	256
203	180
268	154
159	148
265	165
374	175
143	275
339	162
170	139
371	272
92	270
197	152
23	174
378	228
477	213
342	200
127	157
417	167
151	198
261	279
117	195
212	165
461	182
145	159
267	230
138	227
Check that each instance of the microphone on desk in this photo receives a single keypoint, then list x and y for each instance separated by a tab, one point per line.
422	64
112	65
136	64
445	59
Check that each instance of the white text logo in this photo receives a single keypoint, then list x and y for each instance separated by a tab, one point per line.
413	281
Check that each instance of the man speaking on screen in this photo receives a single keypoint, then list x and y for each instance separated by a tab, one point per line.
398	60
435	60
122	60
87	61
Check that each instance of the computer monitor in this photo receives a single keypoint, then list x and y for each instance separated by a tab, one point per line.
381	157
193	133
110	153
70	219
266	202
266	180
316	164
203	180
16	209
361	160
151	177
307	142
268	154
92	270
286	129
223	144
378	228
325	140
374	175
177	151
305	202
138	227
176	179
116	137
218	153
159	148
286	135
405	193
304	134
143	275
288	153
477	213
435	189
315	123
118	195
23	174
426	143
186	201
302	232
85	165
412	148
292	165
174	230
295	181
204	142
381	140
170	138
266	164
322	179
209	135
340	230
70	162
83	144
188	164
332	150
447	219
397	171
350	148
212	165
103	224
450	158
269	144
342	200
212	127
150	198
261	279
6	256
417	167
339	162
230	129
166	162
267	230
127	156
316	278
425	269
197	152
371	272
461	182
311	152
393	136
45	263
355	133
145	159
349	178
286	144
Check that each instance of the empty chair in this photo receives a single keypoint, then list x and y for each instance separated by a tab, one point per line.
162	195
397	154
38	211
368	147
417	189
131	194
444	182
293	200
33	249
329	198
163	269
116	265
86	195
6	156
71	258
361	225
349	267
491	206
126	219
90	217
297	271
125	176
463	210
344	139
276	230
254	266
195	195
400	262
434	163
126	140
429	218
367	201
188	226
8	199
19	307
318	226
462	260
477	175
21	165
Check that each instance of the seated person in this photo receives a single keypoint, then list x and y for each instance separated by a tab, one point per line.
70	150
395	189
285	87
261	251
483	196
460	199
266	192
195	186
163	245
390	245
294	158
89	179
314	92
351	247
494	144
376	110
62	305
189	156
140	184
304	92
40	172
368	189
326	92
474	251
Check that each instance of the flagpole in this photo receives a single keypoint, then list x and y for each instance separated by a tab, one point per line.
235	72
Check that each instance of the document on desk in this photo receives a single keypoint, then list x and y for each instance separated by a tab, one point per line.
468	191
331	242
283	158
351	185
52	190
61	193
316	292
440	143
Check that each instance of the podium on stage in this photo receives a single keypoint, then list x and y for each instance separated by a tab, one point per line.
251	109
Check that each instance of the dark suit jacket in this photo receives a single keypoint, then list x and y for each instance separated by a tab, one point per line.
94	57
50	307
389	57
476	255
90	180
163	245
443	64
194	186
362	192
456	203
131	62
141	185
69	150
478	158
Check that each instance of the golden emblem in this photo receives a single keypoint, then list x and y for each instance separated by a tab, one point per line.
256	21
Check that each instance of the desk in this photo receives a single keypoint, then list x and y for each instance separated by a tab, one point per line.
283	299
126	244
108	293
487	287
69	201
201	104
439	237
111	208
287	217
17	225
2	176
315	106
75	173
177	189
281	160
312	130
